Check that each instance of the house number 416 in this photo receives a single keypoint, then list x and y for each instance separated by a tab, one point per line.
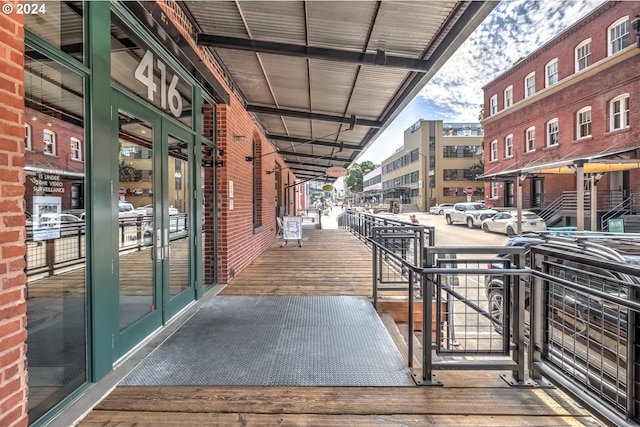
144	74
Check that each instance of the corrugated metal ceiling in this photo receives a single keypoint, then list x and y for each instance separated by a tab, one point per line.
259	44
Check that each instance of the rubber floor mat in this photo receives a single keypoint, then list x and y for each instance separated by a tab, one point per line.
277	340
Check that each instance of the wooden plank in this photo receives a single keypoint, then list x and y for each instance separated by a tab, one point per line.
334	262
172	419
338	400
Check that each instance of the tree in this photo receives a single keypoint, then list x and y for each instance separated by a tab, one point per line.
357	171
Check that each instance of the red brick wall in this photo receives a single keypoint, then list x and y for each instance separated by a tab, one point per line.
595	90
593	26
239	242
13	321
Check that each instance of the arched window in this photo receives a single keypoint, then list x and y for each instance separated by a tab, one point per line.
619	112
530	85
618	35
49	139
583	123
551	71
27	137
552	133
530	139
583	55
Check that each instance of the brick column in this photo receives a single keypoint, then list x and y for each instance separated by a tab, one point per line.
13	307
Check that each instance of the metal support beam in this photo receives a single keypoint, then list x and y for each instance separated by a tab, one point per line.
379	59
295	140
261	109
312	156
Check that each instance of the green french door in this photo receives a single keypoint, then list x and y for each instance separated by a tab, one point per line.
155	220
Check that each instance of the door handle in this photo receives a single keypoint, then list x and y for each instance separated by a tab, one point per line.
167	246
159	247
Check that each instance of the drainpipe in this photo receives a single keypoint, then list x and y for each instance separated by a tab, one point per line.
519	180
580	195
595	177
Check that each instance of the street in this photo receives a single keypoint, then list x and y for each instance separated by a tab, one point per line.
466	327
458	234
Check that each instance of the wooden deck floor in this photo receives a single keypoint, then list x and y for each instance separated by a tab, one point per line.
334	262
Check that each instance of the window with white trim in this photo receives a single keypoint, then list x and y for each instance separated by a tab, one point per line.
530	85
619	112
551	71
494	150
583	55
552	133
49	139
508	97
27	137
618	35
583	123
508	146
493	105
530	138
76	149
495	188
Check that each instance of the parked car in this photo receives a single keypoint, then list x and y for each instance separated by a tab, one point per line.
619	250
80	213
149	210
128	211
58	220
586	332
507	222
439	209
470	213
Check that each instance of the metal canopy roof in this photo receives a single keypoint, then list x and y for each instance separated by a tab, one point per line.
607	161
324	78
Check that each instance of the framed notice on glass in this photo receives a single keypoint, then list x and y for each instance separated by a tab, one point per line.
292	229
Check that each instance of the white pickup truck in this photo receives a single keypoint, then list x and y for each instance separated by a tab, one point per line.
470	213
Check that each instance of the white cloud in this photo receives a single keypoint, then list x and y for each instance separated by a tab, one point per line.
513	30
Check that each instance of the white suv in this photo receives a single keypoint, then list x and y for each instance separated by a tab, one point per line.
128	211
470	213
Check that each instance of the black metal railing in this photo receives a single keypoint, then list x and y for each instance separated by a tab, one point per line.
45	257
553	314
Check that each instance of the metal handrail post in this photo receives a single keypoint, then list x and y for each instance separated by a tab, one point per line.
427	292
411	320
375	272
518	321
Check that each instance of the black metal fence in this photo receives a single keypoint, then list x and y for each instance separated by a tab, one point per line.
550	313
45	257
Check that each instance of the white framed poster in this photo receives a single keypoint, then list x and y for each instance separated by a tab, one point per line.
46	217
292	228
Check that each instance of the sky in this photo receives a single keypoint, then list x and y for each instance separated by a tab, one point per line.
513	30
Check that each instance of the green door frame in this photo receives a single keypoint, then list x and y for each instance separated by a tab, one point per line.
173	305
166	306
135	333
102	176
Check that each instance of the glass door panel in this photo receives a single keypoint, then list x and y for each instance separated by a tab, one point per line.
137	257
155	222
178	210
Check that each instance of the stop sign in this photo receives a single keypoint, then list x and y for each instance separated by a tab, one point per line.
469	191
122	191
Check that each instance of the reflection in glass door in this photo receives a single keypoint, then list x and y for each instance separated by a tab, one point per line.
136	218
178	219
155	221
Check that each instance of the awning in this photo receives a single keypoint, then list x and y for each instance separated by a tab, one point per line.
51	170
596	163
